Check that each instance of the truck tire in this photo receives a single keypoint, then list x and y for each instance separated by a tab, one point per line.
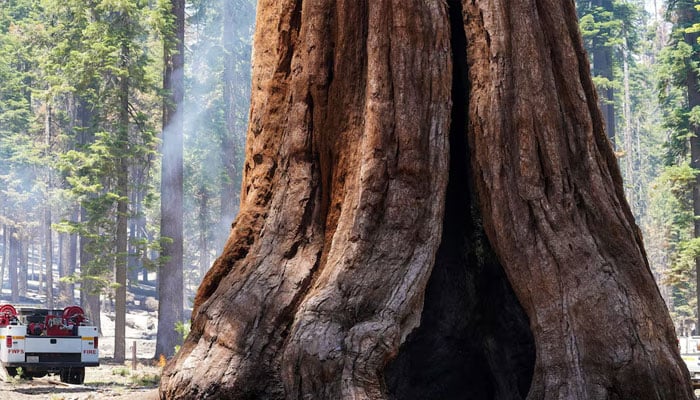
11	372
75	375
35	374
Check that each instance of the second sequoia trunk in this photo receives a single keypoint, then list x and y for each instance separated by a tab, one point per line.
361	113
554	209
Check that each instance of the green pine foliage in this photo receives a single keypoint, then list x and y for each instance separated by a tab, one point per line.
62	134
21	149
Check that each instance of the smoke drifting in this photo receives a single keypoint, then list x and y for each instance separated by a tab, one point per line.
217	97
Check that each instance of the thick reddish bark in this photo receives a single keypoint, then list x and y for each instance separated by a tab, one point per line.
356	108
555	212
340	215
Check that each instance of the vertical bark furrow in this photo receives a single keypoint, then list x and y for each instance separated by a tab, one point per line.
340	113
473	341
289	25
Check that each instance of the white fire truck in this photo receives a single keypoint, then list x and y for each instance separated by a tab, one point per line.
41	341
690	352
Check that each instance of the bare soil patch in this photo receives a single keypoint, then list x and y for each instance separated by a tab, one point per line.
108	381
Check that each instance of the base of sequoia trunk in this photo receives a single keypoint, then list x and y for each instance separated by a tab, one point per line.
474	340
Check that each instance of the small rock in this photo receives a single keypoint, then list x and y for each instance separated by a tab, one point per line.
151	304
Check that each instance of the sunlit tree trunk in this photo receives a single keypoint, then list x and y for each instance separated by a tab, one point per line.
23	264
688	15
603	67
5	250
170	279
72	257
121	235
48	239
630	156
39	265
12	265
64	253
231	143
89	296
204	202
132	269
351	254
48	257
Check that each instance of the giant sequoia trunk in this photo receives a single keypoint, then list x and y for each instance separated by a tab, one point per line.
355	271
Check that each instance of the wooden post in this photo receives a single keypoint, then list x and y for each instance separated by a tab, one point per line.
133	356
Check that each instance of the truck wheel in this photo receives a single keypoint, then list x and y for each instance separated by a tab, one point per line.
36	374
11	372
78	375
74	375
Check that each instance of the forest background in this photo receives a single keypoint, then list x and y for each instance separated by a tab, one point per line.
82	94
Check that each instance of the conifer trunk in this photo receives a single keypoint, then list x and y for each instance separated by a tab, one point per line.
121	234
231	137
170	277
688	15
12	274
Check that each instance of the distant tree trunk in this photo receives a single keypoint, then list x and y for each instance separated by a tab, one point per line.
122	190
39	267
48	240
5	252
132	261
603	67
89	293
170	281
65	295
23	264
348	237
202	219
688	15
120	266
231	142
137	229
73	256
629	178
31	256
48	257
12	265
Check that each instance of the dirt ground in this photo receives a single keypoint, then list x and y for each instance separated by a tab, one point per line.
108	381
